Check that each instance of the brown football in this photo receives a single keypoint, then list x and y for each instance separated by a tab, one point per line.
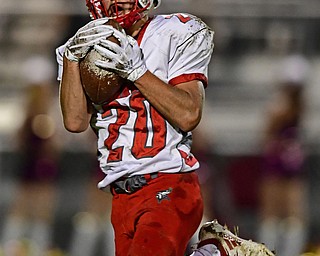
101	86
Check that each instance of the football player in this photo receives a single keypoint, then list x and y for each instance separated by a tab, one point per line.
144	135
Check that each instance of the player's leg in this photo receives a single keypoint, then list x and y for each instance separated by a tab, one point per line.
294	226
120	219
271	207
163	216
173	214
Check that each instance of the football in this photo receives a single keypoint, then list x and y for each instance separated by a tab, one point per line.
101	86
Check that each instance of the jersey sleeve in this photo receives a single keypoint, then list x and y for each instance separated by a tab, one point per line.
59	58
191	52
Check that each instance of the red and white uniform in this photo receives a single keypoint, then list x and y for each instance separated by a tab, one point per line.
133	137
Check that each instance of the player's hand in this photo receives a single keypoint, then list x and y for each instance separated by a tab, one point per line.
126	60
79	45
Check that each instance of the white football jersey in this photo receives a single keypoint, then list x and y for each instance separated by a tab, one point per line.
133	137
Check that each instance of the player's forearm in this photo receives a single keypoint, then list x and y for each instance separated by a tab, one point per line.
72	99
181	105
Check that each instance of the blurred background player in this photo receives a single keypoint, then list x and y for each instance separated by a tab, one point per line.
28	225
284	207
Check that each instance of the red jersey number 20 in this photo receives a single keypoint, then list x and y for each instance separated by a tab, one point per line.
150	131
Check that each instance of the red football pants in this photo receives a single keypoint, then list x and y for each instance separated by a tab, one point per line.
158	219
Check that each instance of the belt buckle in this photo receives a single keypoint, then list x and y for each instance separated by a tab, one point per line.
121	187
125	187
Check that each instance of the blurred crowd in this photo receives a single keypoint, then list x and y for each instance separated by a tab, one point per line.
49	202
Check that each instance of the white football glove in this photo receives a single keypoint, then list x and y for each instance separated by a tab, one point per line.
126	60
79	45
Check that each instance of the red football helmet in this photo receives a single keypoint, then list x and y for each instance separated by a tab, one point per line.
97	9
